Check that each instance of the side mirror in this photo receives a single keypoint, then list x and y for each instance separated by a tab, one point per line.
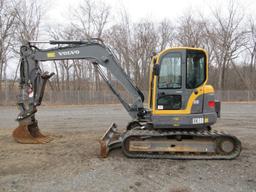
156	69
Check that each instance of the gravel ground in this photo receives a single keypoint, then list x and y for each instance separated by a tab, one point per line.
71	162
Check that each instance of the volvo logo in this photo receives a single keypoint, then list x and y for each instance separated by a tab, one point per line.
67	53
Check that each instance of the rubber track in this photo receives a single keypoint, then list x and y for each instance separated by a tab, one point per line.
154	133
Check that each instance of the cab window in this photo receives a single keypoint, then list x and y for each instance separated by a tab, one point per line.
196	69
170	71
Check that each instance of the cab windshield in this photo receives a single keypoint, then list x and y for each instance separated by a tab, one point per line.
170	71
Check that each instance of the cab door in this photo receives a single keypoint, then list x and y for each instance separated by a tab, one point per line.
181	74
196	77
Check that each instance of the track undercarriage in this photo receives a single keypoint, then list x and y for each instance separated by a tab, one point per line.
141	142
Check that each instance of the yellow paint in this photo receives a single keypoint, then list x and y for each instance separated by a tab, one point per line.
203	89
150	97
51	54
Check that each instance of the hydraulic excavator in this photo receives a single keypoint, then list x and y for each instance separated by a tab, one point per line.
181	105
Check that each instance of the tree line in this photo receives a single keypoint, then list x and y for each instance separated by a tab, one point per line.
228	34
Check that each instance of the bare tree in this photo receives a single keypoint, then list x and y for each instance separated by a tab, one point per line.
165	33
134	45
90	20
7	22
28	15
119	37
144	43
252	52
189	31
228	39
64	33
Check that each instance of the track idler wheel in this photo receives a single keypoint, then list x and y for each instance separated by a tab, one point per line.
29	134
225	145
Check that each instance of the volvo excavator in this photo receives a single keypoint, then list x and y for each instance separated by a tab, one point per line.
181	109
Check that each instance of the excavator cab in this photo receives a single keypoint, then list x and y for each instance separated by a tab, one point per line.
179	96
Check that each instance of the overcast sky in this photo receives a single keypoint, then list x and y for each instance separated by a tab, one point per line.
59	10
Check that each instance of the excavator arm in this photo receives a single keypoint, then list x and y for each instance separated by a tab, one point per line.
33	81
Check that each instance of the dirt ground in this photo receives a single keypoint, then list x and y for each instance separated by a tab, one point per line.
71	161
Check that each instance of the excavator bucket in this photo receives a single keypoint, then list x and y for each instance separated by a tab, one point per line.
29	134
110	140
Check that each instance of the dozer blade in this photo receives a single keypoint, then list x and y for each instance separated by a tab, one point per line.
29	134
109	141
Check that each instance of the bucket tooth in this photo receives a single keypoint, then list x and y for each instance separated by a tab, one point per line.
29	134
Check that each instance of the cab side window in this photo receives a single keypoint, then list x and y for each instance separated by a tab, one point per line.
195	69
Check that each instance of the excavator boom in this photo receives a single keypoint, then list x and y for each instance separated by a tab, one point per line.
33	81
